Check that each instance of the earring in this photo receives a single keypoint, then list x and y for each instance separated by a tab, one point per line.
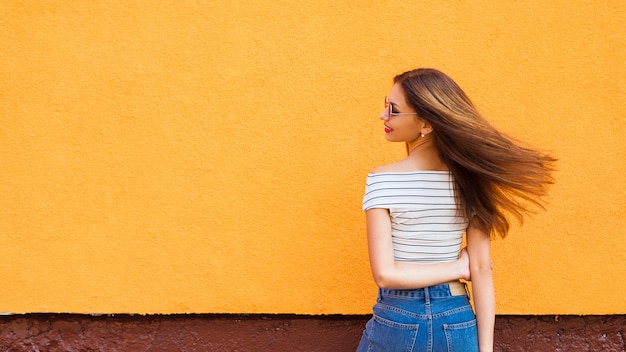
422	135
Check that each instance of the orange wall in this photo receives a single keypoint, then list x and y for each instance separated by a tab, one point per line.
170	157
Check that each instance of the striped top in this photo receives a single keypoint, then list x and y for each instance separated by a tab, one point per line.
425	222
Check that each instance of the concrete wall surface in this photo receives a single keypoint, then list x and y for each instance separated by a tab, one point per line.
278	333
165	157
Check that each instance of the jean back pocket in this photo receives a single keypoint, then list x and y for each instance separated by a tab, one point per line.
387	335
462	336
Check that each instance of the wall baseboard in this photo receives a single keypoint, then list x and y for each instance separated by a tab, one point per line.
266	332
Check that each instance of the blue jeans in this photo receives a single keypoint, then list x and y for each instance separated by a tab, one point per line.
429	319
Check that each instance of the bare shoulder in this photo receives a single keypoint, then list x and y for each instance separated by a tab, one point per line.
412	165
400	166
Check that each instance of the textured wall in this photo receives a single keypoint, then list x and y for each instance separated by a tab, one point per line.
208	157
260	333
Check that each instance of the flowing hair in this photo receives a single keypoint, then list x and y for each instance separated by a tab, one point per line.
495	177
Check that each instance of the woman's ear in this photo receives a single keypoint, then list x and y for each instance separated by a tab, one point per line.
426	128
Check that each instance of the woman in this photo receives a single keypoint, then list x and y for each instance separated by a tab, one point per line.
460	176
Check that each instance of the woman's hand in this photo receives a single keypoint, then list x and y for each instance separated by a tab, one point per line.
463	265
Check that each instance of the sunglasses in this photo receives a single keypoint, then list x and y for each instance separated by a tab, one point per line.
389	108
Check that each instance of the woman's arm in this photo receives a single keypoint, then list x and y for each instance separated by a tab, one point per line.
389	273
478	248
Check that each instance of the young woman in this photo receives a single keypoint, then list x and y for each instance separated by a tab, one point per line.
461	176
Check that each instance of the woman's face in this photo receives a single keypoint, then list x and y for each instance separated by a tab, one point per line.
401	122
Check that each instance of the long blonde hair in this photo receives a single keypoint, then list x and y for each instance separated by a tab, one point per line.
495	177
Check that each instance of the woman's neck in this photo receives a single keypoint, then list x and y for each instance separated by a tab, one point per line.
423	153
420	146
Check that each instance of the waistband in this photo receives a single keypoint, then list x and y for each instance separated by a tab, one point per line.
453	288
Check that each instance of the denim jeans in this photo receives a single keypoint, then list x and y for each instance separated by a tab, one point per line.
428	319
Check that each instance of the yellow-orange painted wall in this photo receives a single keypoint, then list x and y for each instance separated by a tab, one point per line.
210	156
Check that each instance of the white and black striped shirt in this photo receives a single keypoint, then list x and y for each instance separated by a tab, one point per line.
426	225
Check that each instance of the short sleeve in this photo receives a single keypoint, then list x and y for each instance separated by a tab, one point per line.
372	198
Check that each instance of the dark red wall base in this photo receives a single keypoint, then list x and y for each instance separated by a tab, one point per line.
258	333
